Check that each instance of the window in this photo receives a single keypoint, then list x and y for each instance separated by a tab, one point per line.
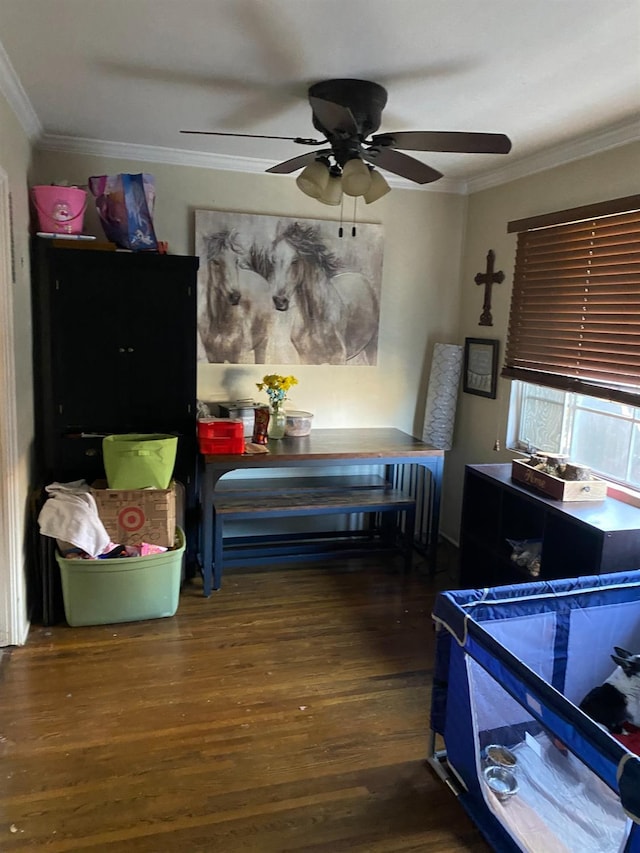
604	435
575	309
573	343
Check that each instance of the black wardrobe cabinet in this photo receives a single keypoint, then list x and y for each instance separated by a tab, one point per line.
114	352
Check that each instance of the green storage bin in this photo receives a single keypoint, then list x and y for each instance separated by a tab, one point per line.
124	589
139	460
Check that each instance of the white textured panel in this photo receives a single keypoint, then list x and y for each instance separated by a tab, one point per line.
442	396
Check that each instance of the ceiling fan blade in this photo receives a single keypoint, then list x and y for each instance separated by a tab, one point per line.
300	140
401	164
335	118
455	140
295	163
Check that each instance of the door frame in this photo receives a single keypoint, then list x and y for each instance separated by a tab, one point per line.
14	625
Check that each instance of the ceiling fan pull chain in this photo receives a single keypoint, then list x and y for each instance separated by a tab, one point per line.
353	226
340	229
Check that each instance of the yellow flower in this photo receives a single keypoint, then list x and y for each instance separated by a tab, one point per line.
276	386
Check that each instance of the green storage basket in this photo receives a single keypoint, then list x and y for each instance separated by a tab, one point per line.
122	589
139	460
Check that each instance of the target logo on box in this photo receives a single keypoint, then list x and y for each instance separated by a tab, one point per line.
131	519
134	516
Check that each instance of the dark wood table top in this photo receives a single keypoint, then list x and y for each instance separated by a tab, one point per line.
333	444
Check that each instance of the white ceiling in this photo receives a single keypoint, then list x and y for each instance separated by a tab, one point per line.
560	77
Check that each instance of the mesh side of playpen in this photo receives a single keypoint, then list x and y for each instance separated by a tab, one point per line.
561	806
502	663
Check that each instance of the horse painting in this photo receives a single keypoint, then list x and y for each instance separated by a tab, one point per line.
236	312
335	311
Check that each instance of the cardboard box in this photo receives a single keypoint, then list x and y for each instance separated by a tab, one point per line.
98	245
554	487
132	516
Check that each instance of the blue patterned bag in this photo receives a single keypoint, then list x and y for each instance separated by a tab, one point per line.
125	206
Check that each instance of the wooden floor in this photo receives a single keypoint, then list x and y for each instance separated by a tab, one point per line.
288	712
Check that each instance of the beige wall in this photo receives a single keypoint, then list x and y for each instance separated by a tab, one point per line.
422	250
613	174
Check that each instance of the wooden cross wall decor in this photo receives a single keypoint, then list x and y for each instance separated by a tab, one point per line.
488	278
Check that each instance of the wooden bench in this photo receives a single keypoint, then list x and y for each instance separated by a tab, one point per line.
386	509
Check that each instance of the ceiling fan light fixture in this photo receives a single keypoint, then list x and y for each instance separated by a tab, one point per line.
378	188
333	191
314	178
356	177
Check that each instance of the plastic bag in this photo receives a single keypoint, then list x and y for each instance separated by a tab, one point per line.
125	205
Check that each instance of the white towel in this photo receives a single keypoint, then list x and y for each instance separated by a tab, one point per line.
70	513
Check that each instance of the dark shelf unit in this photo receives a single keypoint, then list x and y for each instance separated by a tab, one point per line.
114	351
578	537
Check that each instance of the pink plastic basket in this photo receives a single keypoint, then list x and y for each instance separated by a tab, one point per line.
60	209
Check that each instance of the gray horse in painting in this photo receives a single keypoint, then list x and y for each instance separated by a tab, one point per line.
236	312
336	311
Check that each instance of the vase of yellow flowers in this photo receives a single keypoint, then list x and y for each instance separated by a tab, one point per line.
276	387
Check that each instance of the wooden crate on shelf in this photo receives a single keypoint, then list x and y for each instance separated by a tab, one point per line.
555	487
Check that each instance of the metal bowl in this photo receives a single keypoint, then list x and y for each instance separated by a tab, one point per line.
502	782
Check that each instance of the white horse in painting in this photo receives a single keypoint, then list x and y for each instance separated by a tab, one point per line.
336	319
236	313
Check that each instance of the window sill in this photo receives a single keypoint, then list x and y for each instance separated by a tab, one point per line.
624	494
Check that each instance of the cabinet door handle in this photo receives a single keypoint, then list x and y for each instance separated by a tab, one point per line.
129	349
120	349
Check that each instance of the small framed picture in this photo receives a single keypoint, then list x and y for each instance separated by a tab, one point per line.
480	367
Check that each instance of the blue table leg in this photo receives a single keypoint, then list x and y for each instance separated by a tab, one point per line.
207	531
218	545
436	466
409	533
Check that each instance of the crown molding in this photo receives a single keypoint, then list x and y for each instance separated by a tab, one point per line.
201	159
559	155
12	89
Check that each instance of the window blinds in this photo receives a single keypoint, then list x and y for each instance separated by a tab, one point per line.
574	322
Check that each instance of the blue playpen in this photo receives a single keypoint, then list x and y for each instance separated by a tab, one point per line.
512	664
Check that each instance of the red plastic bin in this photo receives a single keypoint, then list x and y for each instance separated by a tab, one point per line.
220	435
210	446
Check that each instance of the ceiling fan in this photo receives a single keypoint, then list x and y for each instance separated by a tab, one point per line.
348	111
